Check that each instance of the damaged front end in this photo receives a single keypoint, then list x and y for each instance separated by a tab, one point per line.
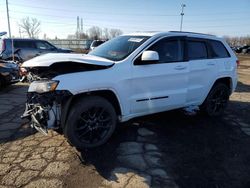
47	106
44	105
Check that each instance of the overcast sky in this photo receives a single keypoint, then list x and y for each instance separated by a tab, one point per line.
58	17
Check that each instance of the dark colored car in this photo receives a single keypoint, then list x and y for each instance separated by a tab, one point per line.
29	48
9	73
242	49
246	50
96	43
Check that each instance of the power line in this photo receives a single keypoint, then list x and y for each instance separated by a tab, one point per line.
112	19
93	12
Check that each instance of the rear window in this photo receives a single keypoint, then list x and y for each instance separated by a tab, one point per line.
218	50
24	44
197	50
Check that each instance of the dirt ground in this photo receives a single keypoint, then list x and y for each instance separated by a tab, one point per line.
171	149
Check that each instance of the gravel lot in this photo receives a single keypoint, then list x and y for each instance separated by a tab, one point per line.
171	149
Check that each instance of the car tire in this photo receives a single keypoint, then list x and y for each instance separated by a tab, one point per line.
2	83
90	123
216	101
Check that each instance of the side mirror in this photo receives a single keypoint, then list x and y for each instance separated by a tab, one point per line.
150	56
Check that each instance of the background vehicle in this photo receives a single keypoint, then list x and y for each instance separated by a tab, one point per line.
9	73
96	43
241	49
246	50
29	48
126	77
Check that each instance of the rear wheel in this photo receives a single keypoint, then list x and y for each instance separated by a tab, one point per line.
2	83
217	100
91	122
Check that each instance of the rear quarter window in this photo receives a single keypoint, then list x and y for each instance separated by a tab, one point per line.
218	50
197	50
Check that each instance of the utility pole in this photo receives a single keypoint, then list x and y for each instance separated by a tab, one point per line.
78	28
182	14
81	25
20	32
8	17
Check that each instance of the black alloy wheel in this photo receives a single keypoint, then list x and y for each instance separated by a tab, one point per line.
217	100
90	123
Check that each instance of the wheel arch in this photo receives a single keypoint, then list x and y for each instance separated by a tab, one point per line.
225	80
108	94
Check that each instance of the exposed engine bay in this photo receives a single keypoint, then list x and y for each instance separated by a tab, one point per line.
45	108
37	73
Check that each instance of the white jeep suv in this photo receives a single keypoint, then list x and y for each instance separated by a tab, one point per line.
126	77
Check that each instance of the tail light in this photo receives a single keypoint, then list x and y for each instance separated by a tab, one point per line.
238	63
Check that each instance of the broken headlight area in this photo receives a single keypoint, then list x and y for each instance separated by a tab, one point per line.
44	109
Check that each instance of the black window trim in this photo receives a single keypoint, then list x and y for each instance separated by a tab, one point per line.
181	38
196	39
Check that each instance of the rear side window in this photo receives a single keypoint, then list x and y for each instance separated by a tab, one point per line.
197	50
218	50
24	44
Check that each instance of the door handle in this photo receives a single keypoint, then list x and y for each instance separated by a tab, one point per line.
210	63
180	67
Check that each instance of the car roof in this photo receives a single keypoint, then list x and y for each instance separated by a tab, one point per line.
173	33
23	39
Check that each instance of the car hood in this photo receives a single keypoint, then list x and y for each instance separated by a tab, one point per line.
51	58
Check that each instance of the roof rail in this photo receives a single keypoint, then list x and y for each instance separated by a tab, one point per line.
191	33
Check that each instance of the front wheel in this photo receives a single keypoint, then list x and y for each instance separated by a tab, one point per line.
90	123
217	100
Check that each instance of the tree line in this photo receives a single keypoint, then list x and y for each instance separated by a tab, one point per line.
238	41
31	27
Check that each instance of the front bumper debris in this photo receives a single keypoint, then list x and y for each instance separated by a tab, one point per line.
44	110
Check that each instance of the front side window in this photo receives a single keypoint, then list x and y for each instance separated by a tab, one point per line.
197	50
44	45
218	50
119	48
169	50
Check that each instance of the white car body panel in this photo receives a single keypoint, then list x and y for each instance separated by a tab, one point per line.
51	58
173	85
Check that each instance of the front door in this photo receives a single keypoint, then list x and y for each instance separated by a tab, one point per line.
162	85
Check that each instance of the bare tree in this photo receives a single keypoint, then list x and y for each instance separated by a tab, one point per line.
105	32
238	41
114	33
30	26
95	33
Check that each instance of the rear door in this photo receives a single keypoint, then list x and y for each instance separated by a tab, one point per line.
203	70
163	85
27	49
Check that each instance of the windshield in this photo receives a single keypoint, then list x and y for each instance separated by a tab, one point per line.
119	48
